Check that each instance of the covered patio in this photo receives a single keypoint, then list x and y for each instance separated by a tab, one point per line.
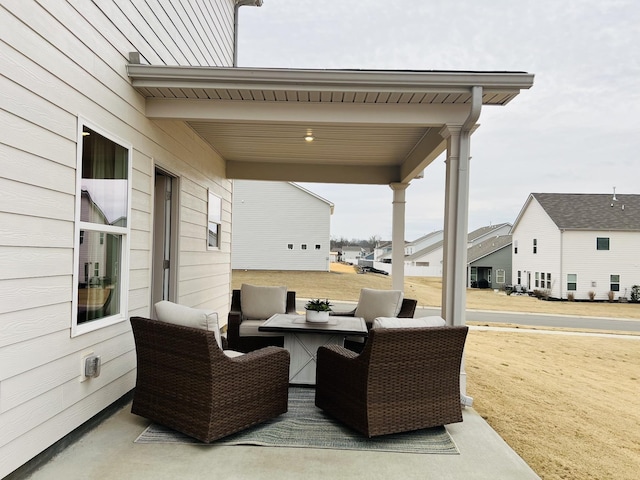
342	126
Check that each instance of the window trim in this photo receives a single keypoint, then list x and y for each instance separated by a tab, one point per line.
572	280
608	239
210	195
124	232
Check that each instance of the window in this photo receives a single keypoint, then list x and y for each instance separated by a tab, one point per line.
519	277
535	245
537	279
317	246
500	275
303	246
548	280
214	221
615	283
102	230
602	243
473	274
542	285
290	246
515	247
572	282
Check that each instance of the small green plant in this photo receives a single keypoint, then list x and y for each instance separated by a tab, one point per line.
318	305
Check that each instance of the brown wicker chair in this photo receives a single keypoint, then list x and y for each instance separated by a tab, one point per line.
404	379
186	382
407	310
251	343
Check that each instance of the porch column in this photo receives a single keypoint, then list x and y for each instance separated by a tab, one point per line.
397	235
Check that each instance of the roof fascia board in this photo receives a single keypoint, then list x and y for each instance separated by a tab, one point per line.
430	146
251	111
309	192
346	80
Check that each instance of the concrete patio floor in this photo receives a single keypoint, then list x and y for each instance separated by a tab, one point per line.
109	452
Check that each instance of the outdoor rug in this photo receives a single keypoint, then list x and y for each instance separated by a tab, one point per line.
306	426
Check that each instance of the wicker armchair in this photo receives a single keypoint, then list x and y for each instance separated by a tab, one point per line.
404	379
248	343
186	382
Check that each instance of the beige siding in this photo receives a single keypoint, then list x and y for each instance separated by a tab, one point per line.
61	61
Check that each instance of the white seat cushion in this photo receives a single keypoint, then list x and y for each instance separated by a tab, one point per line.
249	328
378	303
233	353
176	314
260	303
394	322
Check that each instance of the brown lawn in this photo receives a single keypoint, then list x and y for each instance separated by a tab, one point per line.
568	404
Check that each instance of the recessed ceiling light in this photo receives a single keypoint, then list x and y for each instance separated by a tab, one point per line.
309	138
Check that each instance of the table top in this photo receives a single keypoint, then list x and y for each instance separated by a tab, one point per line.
282	322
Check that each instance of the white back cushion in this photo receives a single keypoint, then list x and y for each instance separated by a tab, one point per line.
378	303
170	312
394	322
259	303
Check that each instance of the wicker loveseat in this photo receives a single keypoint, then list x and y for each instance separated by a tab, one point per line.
243	323
404	379
186	382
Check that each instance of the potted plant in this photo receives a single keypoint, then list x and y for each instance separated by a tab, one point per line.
318	310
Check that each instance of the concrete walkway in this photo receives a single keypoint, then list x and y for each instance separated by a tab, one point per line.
109	452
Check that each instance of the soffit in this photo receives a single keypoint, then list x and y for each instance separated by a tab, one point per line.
388	121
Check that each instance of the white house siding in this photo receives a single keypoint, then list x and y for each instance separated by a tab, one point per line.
593	267
268	216
536	224
61	60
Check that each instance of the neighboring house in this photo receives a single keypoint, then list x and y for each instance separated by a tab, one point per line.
352	254
382	252
573	244
423	242
490	260
279	226
139	104
428	261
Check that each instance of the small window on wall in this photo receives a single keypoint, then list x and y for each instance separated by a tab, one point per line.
615	283
317	246
500	276
303	246
537	279
214	222
515	247
535	245
602	243
103	205
519	277
289	246
572	282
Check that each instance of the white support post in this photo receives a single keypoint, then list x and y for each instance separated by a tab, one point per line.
397	235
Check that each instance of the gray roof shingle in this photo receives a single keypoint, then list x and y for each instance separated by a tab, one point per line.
586	211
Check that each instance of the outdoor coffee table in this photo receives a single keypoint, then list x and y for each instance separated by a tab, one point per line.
302	339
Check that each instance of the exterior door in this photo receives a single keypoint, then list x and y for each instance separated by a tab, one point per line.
164	235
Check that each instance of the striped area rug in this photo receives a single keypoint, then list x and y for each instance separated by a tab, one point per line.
306	426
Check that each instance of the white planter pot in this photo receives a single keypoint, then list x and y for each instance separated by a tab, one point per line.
317	317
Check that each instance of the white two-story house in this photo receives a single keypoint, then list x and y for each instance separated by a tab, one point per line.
279	226
573	244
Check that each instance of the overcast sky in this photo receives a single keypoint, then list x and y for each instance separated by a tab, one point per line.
577	130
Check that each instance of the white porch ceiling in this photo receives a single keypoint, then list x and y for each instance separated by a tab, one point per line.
375	127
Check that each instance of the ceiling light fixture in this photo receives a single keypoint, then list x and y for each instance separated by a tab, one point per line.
309	138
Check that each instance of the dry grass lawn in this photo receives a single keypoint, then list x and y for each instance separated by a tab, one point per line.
569	405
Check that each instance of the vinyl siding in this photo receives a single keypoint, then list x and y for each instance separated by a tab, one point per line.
581	257
536	224
267	216
60	61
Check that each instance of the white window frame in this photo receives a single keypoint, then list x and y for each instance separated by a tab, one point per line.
124	232
214	202
501	276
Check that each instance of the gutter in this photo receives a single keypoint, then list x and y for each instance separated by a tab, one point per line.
240	3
